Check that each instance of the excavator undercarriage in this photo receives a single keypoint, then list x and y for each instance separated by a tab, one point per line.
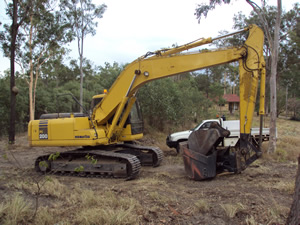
116	161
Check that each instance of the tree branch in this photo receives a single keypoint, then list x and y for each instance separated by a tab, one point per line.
266	28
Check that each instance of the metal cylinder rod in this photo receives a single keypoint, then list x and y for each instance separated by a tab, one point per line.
230	34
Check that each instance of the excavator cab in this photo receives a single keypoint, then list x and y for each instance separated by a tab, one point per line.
135	118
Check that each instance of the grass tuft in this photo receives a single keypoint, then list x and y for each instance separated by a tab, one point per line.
251	220
45	216
149	181
107	209
201	206
287	187
163	200
232	209
15	211
54	188
107	216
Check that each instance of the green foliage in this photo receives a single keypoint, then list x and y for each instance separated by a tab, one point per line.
4	103
43	164
53	157
91	159
167	102
203	8
108	74
82	15
79	169
21	104
160	102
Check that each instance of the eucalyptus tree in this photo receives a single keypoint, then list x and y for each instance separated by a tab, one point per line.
203	9
288	58
42	35
46	32
82	15
15	10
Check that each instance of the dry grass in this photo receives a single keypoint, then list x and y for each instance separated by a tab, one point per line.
46	216
287	187
260	169
151	181
49	186
201	206
232	209
160	198
276	211
288	141
15	210
146	199
287	148
164	174
275	214
77	205
175	160
107	215
104	208
250	220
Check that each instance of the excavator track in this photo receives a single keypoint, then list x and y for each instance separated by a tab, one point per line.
149	156
90	163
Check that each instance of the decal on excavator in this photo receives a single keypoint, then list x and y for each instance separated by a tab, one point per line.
43	129
85	136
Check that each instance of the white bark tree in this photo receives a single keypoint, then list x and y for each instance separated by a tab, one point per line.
82	14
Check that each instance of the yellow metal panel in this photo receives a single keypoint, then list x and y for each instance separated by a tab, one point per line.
81	123
248	90
61	129
250	70
69	142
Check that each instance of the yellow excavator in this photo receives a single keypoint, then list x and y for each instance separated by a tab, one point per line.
108	133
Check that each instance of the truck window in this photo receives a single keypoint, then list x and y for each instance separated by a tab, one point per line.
205	125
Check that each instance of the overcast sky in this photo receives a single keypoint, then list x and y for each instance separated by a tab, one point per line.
130	28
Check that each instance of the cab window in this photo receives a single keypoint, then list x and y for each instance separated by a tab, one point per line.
205	125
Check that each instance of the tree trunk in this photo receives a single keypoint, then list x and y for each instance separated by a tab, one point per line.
294	216
273	84
80	50
81	77
31	106
14	31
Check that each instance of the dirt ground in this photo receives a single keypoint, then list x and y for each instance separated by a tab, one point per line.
262	194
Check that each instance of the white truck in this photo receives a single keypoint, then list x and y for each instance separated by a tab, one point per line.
233	126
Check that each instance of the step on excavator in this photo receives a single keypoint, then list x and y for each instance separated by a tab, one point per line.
107	135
